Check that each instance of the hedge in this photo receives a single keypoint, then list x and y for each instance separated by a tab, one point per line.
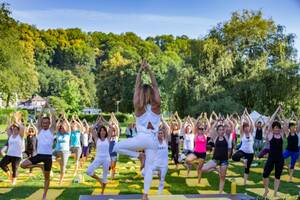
122	117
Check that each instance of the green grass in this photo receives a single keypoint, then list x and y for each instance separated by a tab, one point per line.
178	183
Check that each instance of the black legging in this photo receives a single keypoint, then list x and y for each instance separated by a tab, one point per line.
240	154
175	152
269	166
15	161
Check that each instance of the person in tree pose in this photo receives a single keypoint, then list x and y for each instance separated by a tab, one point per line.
147	110
46	128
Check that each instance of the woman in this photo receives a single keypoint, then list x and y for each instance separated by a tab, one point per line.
75	145
175	142
275	157
246	151
15	134
200	140
220	154
102	158
259	135
292	149
62	147
31	142
85	142
188	141
161	161
147	110
115	132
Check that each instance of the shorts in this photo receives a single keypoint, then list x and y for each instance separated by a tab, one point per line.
200	155
221	162
113	155
46	159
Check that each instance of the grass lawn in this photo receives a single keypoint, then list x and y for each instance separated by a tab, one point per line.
176	182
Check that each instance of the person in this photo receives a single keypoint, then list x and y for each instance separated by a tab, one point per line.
275	157
147	110
46	128
15	133
102	157
188	141
200	140
62	147
175	125
85	142
75	144
259	135
292	150
220	153
115	133
31	142
161	161
246	151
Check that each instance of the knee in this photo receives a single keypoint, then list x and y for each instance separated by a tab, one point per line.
24	164
235	157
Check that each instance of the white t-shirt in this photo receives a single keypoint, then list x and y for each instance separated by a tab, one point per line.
15	146
247	144
229	140
102	149
162	155
188	141
45	141
298	134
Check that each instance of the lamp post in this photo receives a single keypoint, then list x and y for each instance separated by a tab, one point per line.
118	102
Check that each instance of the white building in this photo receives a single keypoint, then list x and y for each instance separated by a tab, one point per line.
91	111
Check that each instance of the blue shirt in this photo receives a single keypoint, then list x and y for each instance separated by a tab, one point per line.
63	141
75	138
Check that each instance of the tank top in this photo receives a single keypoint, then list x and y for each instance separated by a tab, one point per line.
200	144
162	155
188	142
292	143
259	134
102	149
75	138
15	146
276	148
45	142
247	144
62	142
85	139
31	142
143	120
221	149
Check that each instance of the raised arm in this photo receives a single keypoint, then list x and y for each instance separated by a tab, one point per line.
138	87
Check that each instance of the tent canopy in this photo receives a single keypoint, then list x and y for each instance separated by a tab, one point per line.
255	115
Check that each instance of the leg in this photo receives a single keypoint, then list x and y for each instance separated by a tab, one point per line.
267	171
150	158
4	165
294	158
47	168
278	170
249	158
32	163
163	172
15	165
106	165
199	169
189	161
209	166
222	175
91	169
132	145
77	158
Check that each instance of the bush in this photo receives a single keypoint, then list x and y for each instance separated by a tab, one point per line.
5	113
122	117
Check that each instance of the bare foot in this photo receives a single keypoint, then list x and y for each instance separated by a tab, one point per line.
145	197
266	193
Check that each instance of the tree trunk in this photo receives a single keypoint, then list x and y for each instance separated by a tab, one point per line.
8	100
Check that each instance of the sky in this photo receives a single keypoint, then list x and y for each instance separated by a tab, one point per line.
193	18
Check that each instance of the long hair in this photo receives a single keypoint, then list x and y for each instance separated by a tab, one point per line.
99	131
145	96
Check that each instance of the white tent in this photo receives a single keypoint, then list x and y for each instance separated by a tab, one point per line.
255	115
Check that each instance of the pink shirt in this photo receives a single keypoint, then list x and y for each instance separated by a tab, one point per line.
200	144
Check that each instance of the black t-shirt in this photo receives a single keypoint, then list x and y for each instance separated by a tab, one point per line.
259	134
